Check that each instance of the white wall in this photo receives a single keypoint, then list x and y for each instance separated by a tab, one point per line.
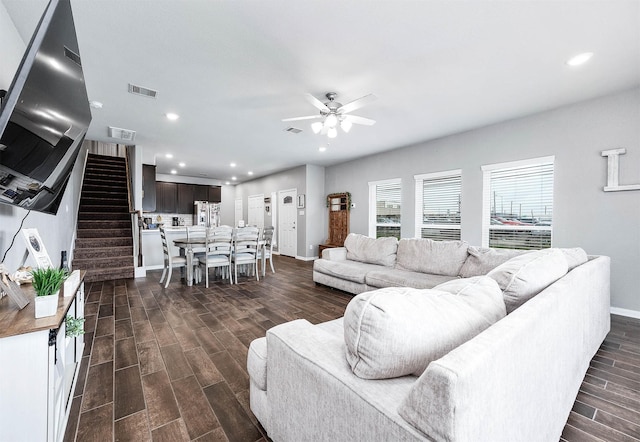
57	231
606	223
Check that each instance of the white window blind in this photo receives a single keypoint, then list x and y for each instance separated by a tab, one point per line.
438	205
385	204
518	204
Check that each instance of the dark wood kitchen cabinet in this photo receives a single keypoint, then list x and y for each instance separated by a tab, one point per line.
148	188
185	198
215	194
200	193
166	197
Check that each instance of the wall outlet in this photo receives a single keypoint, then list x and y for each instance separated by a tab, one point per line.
310	246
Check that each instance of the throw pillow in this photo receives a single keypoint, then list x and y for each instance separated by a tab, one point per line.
381	251
575	257
523	277
398	331
429	256
482	260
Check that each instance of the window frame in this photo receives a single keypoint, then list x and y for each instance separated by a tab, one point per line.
373	215
487	171
419	201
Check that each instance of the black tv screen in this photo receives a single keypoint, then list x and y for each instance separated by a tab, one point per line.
44	116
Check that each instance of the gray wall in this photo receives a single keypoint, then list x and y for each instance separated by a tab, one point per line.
289	179
584	215
316	210
57	231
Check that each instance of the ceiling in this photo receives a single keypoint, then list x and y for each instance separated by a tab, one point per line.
233	70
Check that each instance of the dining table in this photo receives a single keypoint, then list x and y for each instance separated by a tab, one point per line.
187	245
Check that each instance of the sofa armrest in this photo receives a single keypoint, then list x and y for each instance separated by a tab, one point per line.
311	385
335	254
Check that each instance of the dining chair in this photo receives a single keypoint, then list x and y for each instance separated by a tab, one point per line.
266	249
245	249
171	261
218	247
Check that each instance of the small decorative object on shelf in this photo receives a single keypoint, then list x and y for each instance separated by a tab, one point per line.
74	327
46	284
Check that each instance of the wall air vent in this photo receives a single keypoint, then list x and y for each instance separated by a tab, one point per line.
122	134
144	91
293	130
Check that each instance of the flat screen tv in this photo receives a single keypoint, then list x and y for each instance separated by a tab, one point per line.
44	116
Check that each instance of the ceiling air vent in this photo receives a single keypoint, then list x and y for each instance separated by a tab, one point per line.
72	56
122	134
293	130
144	91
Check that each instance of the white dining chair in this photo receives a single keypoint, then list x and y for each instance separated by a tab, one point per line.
266	249
218	248
171	261
245	249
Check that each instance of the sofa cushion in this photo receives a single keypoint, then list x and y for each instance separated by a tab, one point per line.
349	270
402	278
398	331
524	276
575	257
482	260
381	251
429	256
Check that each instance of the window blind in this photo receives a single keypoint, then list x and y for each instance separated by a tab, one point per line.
518	203
385	208
438	201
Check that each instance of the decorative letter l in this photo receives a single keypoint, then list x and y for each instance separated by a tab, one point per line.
613	171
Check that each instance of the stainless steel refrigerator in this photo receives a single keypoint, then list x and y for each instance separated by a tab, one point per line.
206	214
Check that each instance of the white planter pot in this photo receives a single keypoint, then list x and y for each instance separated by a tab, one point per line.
47	305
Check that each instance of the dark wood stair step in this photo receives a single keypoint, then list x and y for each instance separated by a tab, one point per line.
94	275
99	216
102	252
103	263
103	233
104	224
85	201
106	208
103	242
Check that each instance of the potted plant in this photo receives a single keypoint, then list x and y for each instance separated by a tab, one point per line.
47	283
74	327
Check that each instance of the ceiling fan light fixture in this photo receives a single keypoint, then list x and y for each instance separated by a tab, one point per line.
332	132
316	127
331	121
346	125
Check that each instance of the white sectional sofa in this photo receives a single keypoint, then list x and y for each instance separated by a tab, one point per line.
486	358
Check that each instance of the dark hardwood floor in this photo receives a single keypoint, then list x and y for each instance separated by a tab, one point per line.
170	364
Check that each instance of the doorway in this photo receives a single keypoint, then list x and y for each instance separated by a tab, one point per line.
287	233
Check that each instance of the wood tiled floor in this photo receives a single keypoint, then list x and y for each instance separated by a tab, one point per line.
170	364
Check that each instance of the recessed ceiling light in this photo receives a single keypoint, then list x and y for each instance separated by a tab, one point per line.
169	155
322	148
95	104
250	173
232	164
579	59
173	171
171	116
227	183
181	164
233	178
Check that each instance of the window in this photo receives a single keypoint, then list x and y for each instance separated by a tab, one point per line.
384	208
518	204
438	205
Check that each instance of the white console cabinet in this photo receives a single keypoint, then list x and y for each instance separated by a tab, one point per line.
38	368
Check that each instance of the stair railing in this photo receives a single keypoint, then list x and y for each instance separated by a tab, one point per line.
136	215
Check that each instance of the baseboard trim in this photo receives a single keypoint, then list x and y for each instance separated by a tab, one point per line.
307	258
140	272
625	312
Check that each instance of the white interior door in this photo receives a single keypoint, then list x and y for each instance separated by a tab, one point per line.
238	212
255	217
287	233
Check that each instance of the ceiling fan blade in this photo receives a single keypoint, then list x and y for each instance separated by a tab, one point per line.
308	117
356	104
360	120
317	103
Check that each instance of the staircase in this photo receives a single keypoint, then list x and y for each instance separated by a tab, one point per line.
104	244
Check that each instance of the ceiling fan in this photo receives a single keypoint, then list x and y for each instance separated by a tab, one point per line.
334	114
